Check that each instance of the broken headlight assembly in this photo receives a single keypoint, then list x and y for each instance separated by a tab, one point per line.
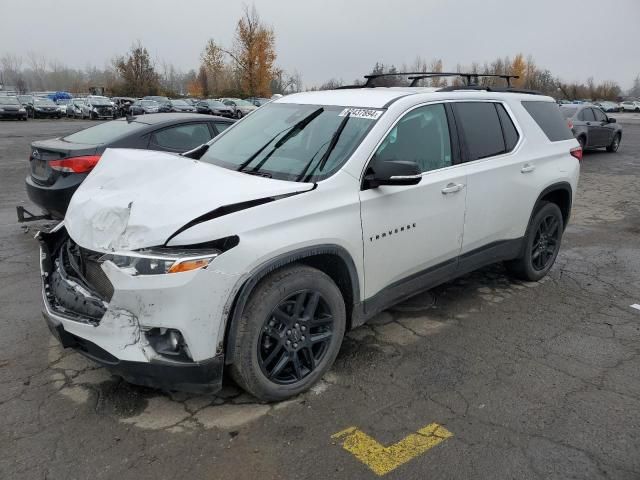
160	261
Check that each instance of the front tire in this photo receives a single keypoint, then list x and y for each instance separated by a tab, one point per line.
289	334
238	114
615	144
542	244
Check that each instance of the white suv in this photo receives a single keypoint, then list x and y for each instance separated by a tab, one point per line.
302	221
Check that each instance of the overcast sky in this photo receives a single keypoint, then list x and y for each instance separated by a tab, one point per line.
340	38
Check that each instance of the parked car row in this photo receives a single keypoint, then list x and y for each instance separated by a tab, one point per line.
99	107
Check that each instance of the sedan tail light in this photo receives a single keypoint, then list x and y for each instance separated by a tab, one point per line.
576	153
75	164
570	123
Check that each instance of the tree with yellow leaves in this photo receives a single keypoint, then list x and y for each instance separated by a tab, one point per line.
254	54
519	68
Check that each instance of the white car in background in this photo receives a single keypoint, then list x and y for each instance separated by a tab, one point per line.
240	107
254	253
630	106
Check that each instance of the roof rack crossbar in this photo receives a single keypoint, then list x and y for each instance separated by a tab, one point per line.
453	88
472	78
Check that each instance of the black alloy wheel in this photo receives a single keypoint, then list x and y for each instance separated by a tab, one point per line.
295	338
545	243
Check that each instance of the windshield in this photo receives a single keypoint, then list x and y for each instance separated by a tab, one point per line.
24	98
216	104
99	101
181	103
9	101
63	101
568	112
243	103
149	103
291	142
44	101
104	133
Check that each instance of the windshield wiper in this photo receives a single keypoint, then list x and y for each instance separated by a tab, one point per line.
330	148
293	131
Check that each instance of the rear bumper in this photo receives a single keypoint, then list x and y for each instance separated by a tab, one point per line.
18	115
200	377
53	199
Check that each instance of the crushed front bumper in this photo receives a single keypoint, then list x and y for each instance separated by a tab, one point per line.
108	322
200	377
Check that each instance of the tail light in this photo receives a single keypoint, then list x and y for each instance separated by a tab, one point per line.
570	124
576	153
75	164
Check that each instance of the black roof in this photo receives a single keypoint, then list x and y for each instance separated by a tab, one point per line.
171	118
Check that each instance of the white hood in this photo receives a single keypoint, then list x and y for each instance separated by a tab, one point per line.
139	198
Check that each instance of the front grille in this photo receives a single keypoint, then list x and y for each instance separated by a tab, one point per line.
95	276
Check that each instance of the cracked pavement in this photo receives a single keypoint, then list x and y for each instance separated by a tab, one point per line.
534	380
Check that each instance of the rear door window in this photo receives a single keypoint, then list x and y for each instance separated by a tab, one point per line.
548	117
181	138
481	128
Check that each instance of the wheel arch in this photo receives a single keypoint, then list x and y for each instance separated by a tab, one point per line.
559	193
333	260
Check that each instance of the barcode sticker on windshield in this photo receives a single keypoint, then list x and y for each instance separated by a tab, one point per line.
361	113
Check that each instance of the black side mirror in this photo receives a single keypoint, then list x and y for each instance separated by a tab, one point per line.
611	120
392	172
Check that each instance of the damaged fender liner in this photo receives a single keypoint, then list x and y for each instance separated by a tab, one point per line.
202	377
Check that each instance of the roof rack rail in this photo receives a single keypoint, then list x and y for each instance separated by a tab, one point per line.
453	88
472	78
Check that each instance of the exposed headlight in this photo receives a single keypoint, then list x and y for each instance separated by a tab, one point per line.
1	109
164	261
94	109
22	110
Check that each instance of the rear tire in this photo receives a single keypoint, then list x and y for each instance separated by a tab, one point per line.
582	141
238	114
541	244
289	333
615	144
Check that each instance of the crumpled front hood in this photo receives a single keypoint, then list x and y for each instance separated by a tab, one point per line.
137	198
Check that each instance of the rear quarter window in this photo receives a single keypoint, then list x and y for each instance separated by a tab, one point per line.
548	117
105	132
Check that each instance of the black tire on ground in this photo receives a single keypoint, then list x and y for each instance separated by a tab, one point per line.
615	144
266	337
238	114
541	244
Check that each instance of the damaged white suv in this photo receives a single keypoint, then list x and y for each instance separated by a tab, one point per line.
257	251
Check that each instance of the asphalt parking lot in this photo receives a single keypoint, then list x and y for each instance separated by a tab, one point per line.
523	380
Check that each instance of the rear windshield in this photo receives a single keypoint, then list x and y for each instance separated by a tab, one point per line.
548	117
568	112
104	133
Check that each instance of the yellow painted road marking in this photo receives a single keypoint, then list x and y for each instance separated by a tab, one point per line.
383	459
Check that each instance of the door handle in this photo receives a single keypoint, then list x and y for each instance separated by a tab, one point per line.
452	188
527	168
588	123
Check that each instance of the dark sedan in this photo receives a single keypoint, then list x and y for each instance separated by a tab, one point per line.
592	127
10	107
178	106
215	107
58	166
45	107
